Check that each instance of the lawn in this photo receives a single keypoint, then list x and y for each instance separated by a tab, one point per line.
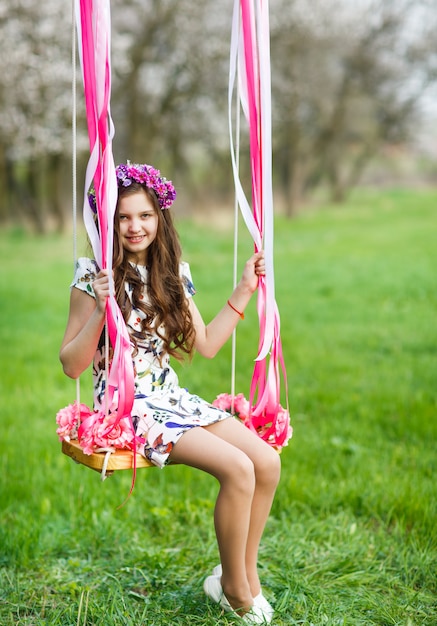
351	539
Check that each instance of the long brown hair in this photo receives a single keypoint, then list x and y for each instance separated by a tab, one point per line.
166	310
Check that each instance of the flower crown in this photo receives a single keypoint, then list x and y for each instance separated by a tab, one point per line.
144	175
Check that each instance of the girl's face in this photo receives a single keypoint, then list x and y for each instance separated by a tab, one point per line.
138	225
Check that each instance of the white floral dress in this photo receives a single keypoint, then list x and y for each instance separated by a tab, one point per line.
162	411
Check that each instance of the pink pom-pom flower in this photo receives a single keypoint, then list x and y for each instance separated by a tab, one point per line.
94	429
69	418
277	436
100	432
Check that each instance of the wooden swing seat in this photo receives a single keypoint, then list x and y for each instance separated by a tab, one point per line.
118	460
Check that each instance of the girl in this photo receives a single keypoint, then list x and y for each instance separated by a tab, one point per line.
154	291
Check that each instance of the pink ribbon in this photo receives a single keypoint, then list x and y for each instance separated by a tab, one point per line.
93	22
250	59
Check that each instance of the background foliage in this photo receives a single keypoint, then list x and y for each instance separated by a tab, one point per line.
348	85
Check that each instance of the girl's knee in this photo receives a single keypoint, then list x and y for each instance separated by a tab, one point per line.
268	467
241	472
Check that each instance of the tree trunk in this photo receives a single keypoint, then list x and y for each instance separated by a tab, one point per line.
296	185
336	185
4	186
30	196
55	187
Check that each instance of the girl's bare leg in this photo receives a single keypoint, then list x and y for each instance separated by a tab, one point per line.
234	470
240	518
267	467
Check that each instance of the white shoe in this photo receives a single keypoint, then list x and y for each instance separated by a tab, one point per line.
213	589
259	601
262	603
217	571
255	616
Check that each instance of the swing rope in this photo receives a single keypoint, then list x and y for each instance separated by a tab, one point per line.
74	152
235	256
83	12
249	68
74	196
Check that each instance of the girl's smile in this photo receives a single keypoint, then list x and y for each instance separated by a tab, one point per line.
136	239
138	225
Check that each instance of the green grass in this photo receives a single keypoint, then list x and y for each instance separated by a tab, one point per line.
351	539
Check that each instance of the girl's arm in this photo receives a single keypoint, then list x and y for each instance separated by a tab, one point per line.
84	327
211	337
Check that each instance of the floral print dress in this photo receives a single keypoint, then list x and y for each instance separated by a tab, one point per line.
162	411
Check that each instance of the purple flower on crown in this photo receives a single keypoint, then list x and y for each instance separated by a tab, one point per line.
143	174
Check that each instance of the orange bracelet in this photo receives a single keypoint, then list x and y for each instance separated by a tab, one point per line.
236	310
